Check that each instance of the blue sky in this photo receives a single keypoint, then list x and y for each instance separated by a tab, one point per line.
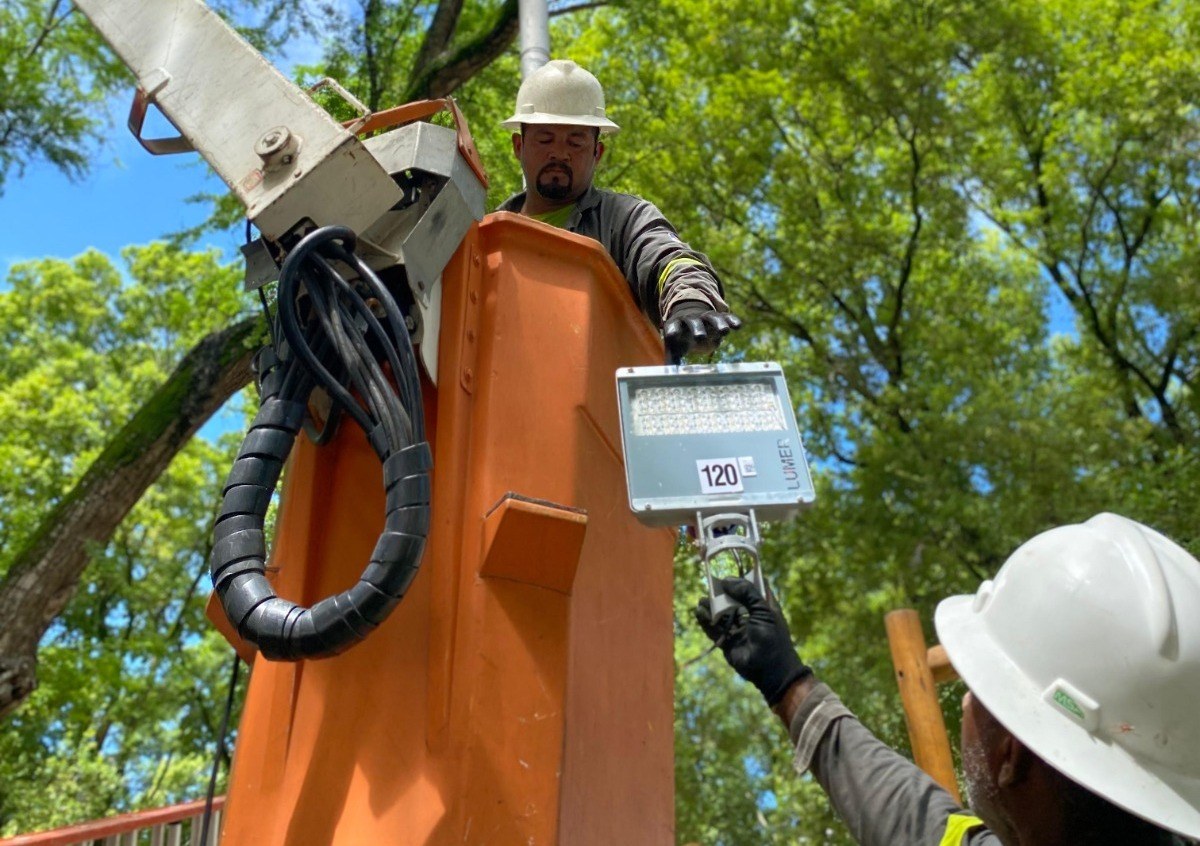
129	197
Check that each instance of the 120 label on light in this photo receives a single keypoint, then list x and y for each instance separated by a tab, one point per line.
720	475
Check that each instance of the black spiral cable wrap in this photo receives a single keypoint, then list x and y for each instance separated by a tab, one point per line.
333	349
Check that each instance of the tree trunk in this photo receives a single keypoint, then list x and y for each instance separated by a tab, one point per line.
46	572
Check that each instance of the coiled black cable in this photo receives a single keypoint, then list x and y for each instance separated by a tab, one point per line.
338	345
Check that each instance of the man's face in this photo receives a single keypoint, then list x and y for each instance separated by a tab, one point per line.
982	747
558	160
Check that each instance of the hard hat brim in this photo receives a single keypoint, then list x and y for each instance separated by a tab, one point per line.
1164	797
606	126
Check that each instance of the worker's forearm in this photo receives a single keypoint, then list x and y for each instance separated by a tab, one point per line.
787	707
883	798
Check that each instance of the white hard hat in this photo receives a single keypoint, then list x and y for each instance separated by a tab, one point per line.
561	92
1087	648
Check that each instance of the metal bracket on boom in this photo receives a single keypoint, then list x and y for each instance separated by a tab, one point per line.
142	98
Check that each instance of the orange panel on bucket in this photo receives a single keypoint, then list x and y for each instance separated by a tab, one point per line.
537	543
506	701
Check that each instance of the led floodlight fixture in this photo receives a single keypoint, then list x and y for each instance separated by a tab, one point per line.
716	446
708	439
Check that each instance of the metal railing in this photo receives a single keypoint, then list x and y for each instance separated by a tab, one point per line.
177	825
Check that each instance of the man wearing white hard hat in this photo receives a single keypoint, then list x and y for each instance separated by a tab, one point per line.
1081	724
556	126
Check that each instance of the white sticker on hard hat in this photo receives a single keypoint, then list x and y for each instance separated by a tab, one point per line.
1074	703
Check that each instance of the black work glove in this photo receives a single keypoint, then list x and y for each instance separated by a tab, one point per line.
755	640
693	326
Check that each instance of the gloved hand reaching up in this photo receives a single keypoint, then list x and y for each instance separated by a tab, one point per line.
755	640
693	326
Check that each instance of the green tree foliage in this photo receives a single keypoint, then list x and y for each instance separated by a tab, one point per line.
83	346
969	232
133	676
57	77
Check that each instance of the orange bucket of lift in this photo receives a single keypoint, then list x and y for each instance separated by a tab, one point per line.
522	691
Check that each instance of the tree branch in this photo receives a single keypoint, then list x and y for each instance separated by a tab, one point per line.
48	27
446	71
910	254
370	10
46	572
580	7
437	37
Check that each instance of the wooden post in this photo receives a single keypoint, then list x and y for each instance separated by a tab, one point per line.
918	693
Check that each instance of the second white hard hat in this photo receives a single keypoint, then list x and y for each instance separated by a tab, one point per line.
1087	648
561	92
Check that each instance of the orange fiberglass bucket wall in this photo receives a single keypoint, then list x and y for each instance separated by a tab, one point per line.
522	691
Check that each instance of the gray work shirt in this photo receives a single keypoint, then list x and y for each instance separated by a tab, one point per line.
884	798
660	268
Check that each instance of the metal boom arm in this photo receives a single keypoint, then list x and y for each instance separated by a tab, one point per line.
261	133
409	194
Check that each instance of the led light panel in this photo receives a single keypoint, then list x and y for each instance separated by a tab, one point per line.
706	409
710	439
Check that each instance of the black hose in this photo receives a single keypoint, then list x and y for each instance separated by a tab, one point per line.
332	348
210	794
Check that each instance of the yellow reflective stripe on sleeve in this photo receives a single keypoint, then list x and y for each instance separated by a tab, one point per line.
671	265
957	826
